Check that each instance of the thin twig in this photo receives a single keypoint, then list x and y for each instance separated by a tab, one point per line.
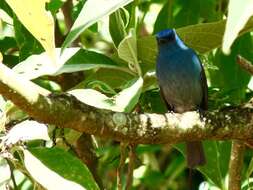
85	151
132	158
66	10
123	157
12	174
235	165
245	64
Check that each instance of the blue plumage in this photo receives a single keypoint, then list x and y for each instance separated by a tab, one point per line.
182	83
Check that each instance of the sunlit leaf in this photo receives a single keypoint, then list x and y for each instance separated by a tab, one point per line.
89	16
26	42
239	12
125	101
26	130
5	173
5	17
247	184
39	65
72	60
127	51
56	169
38	21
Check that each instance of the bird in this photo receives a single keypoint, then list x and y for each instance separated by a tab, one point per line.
183	85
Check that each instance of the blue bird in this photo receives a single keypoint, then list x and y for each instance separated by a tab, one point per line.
182	82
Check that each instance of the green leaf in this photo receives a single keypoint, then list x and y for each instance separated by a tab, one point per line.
217	156
150	81
175	168
201	37
72	60
88	16
48	84
117	24
127	51
151	102
124	101
128	98
27	44
187	14
85	60
216	169
5	174
238	15
250	169
163	19
7	43
40	65
54	5
56	169
25	131
247	184
6	8
101	86
38	21
115	80
230	78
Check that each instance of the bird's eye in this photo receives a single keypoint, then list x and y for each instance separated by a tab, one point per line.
162	41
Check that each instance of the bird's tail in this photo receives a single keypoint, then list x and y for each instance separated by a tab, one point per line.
195	154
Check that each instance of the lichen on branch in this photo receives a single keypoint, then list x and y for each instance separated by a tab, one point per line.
64	110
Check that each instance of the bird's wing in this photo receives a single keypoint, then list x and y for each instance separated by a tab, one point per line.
169	108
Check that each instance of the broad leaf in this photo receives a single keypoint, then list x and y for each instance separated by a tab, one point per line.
5	173
217	156
55	5
40	65
85	60
26	42
7	43
5	17
56	169
230	78
38	21
125	101
88	16
127	51
26	130
117	24
116	80
164	17
188	13
72	60
201	37
239	12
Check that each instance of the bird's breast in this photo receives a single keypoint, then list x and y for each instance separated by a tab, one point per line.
179	79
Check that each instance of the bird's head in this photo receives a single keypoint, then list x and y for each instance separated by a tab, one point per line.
168	39
166	36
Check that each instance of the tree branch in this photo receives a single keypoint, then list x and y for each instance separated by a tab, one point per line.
245	64
235	165
66	111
